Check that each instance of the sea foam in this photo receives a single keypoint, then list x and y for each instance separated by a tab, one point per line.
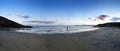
56	29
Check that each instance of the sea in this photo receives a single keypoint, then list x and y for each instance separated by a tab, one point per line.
53	29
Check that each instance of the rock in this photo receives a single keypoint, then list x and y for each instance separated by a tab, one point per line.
6	23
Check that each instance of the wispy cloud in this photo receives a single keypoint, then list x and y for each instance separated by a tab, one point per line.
115	18
24	16
100	17
43	22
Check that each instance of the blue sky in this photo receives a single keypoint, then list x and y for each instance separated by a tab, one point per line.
70	12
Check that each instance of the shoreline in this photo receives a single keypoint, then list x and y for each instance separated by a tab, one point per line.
56	32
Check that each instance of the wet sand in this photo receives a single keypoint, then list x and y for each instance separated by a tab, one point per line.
104	39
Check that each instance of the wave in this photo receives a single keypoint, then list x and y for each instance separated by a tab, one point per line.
56	29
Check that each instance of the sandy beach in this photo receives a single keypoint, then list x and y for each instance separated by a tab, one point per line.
103	39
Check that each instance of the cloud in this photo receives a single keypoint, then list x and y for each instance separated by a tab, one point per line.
90	18
102	17
115	18
24	16
44	22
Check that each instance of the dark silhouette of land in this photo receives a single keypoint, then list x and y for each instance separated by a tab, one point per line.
111	24
6	23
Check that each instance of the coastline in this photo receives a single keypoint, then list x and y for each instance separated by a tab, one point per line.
56	31
106	39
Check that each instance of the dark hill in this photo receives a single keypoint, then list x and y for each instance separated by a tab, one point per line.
111	24
6	23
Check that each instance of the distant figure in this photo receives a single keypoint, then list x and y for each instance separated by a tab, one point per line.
67	28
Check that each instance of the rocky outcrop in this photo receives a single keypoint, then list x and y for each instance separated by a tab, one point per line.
111	24
6	23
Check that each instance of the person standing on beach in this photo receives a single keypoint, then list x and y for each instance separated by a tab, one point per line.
67	28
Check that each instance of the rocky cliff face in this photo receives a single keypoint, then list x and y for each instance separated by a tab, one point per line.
6	23
111	24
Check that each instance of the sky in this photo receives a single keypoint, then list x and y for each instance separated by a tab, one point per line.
58	12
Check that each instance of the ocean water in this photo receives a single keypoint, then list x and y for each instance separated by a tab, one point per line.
57	29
